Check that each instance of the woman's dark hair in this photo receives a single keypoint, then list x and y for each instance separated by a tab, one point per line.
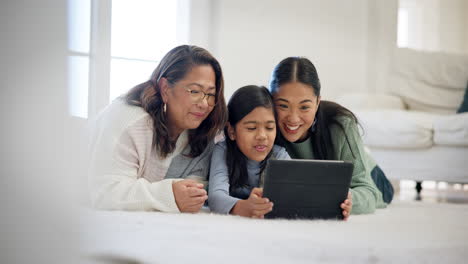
242	102
174	66
299	69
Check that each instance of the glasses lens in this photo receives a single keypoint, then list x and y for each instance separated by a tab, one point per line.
197	96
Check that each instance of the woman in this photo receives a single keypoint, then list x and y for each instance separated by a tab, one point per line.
314	129
161	132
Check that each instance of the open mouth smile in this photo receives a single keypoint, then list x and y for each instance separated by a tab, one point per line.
291	129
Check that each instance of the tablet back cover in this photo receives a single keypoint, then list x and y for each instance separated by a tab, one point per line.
307	188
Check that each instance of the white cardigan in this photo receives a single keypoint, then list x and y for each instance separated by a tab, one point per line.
125	172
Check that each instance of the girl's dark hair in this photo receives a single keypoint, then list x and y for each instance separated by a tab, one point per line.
174	66
242	102
299	69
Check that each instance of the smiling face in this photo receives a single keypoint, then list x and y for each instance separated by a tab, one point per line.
296	105
183	111
255	133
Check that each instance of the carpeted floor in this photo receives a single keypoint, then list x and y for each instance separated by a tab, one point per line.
405	232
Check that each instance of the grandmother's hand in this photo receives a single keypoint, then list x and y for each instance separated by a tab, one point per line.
347	205
189	195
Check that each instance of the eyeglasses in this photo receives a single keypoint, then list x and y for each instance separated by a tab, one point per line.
197	96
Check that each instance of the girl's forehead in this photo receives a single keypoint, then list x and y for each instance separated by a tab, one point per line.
260	113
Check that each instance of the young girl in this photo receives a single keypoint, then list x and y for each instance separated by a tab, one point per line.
238	162
315	129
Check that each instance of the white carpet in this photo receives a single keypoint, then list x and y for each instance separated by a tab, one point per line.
405	232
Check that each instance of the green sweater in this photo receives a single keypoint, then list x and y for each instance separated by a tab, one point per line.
365	195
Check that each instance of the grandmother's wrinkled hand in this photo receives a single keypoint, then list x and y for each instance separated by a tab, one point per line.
189	195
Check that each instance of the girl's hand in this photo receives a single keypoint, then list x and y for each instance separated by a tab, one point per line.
346	206
255	206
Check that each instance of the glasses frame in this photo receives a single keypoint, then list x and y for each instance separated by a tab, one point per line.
205	95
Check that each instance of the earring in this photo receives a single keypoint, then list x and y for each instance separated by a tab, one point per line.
164	108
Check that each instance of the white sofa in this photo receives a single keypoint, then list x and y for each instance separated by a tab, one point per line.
412	129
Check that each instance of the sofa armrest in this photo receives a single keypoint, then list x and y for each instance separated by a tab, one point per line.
369	101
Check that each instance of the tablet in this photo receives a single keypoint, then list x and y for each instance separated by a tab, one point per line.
301	188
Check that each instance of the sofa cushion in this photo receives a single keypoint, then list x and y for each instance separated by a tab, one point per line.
419	96
451	130
397	128
369	101
428	81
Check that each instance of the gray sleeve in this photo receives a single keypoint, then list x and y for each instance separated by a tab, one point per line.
219	199
281	153
184	166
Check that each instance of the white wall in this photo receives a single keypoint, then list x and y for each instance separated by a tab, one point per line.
381	42
350	42
36	223
465	27
201	23
423	23
437	25
251	37
453	22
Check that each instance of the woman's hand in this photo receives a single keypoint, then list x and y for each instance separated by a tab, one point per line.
347	205
255	206
189	195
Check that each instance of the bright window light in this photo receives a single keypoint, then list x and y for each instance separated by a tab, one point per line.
79	19
143	29
142	32
403	24
126	74
78	68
